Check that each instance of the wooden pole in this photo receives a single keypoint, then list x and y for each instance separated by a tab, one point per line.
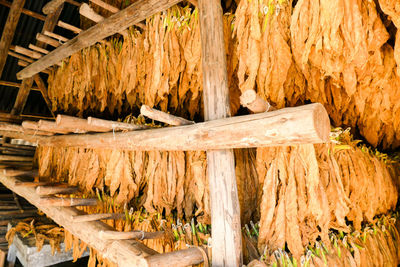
124	253
39	49
80	125
67	202
22	96
97	217
105	5
27	52
13	84
24	11
15	158
52	6
13	173
11	128
9	30
88	12
225	209
116	235
67	26
254	102
16	55
290	126
133	14
45	190
157	115
48	40
114	125
42	87
56	36
51	126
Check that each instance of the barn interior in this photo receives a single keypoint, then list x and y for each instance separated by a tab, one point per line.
202	132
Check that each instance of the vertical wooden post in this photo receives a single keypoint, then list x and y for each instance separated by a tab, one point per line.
225	209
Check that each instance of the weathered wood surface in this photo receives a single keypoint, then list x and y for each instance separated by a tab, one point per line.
67	26
48	40
27	52
42	87
51	126
39	49
15	158
52	6
24	11
19	131
135	13
16	55
122	252
56	36
116	235
289	126
97	217
225	208
13	84
13	173
44	190
157	115
254	102
32	184
88	12
114	125
9	30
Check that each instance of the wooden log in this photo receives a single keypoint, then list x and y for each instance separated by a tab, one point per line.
8	31
97	217
15	158
50	23
32	184
26	147
39	49
14	173
289	126
105	5
72	2
48	40
16	128
116	235
157	115
225	209
254	102
6	151
185	257
25	64
51	126
114	125
122	252
56	36
67	26
10	118
52	6
44	190
88	12
67	202
22	96
24	11
78	124
133	14
27	52
16	55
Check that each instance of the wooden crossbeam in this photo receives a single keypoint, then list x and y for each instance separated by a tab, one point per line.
289	126
122	252
9	30
131	15
24	11
13	84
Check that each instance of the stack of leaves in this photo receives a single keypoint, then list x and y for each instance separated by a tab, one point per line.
157	66
311	189
43	232
375	245
161	181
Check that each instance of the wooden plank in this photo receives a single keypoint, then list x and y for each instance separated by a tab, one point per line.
290	126
39	49
122	252
225	208
163	117
9	30
24	11
131	15
15	158
56	36
16	55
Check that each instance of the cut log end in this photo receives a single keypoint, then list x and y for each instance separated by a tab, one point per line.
321	122
254	102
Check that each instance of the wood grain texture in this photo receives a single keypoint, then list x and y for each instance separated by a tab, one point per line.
9	30
225	208
24	11
290	126
43	90
158	115
135	13
22	96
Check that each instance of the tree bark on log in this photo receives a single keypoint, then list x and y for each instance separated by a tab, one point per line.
133	14
125	253
290	126
157	115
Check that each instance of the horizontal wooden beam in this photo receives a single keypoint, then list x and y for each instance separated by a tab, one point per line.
289	126
122	252
17	85
24	11
135	13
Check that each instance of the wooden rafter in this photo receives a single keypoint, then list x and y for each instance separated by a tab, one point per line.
9	30
13	84
24	11
131	15
42	87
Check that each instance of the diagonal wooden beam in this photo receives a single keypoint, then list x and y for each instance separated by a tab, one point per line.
24	11
13	84
131	15
42	87
9	30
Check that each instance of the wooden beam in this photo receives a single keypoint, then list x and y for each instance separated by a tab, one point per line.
131	15
289	126
225	209
9	30
13	128
13	84
254	102
42	87
22	96
6	117
15	158
27	52
39	49
50	23
77	124
67	201
24	11
88	12
115	125
68	26
45	190
97	217
25	64
72	2
105	6
124	253
157	115
47	40
116	235
16	55
56	36
14	173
